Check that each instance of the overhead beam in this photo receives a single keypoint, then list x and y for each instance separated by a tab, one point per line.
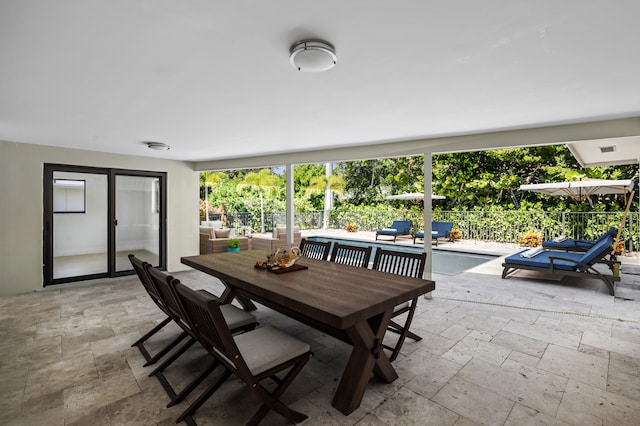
549	135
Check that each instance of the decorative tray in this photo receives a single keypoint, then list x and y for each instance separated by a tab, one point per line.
295	267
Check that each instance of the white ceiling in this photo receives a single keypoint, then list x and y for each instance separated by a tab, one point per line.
213	79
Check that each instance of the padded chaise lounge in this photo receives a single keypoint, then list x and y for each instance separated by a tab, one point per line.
438	230
570	244
565	263
397	228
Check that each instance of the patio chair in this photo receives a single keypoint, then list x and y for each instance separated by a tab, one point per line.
397	228
315	249
252	357
140	267
565	263
569	244
410	265
346	254
438	230
237	320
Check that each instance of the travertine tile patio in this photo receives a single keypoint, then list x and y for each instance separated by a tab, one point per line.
519	351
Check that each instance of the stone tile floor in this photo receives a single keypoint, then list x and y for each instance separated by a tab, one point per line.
520	351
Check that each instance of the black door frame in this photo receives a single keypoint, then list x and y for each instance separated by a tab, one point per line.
111	173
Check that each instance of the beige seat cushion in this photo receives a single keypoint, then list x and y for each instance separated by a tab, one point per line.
236	317
222	233
283	231
205	230
266	347
401	306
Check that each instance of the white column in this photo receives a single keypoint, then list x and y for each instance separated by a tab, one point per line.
428	217
289	202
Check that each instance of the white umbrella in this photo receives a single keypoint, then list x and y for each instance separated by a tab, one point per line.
583	189
414	196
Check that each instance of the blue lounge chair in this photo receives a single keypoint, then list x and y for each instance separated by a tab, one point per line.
438	230
566	263
397	228
569	244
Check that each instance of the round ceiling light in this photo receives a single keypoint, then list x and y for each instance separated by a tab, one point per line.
312	56
158	146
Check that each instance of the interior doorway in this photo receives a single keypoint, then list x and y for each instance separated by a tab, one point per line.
95	217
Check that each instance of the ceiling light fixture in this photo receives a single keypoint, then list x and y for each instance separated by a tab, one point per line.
158	146
312	55
610	148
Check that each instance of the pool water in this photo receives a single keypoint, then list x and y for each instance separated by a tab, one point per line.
446	262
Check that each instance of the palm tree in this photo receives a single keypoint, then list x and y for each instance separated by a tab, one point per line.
328	185
263	182
213	180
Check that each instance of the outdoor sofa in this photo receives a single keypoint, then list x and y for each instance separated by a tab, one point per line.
397	228
561	264
438	230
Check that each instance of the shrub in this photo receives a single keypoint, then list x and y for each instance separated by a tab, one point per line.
455	234
351	227
233	243
531	238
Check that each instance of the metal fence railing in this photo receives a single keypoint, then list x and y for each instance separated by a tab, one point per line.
500	226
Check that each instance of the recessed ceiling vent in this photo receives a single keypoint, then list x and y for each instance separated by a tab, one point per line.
610	148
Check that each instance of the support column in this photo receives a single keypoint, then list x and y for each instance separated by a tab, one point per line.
289	202
428	216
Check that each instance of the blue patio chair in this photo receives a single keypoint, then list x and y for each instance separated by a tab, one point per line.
569	244
397	228
438	230
565	263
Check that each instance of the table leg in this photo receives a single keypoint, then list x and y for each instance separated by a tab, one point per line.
228	295
366	357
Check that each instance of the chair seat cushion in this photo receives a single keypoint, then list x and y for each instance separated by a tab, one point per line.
401	306
388	231
267	347
568	244
542	260
236	317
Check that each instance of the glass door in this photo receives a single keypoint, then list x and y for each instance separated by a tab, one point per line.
78	223
95	217
137	221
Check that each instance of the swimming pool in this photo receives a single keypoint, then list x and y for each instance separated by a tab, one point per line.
446	262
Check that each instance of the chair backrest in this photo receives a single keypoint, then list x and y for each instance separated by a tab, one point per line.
315	249
209	326
442	227
400	263
140	267
167	295
598	251
351	255
403	226
611	232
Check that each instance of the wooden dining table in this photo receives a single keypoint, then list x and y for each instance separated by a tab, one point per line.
349	303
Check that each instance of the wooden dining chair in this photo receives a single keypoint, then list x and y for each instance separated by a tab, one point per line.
139	266
346	254
252	356
410	265
315	249
237	320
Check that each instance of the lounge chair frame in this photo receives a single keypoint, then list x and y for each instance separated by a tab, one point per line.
580	269
402	227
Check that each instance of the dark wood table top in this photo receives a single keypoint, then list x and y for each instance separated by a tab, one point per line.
336	295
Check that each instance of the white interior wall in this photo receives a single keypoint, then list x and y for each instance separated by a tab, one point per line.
21	203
